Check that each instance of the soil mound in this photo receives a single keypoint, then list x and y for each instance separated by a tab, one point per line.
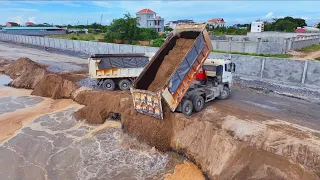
25	72
100	105
170	62
54	86
3	64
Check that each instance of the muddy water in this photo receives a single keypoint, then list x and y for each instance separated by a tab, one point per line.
4	80
56	146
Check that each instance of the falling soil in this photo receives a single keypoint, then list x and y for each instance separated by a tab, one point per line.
170	63
185	171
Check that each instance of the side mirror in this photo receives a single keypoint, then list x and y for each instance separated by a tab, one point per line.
233	67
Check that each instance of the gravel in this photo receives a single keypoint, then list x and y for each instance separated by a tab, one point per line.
301	93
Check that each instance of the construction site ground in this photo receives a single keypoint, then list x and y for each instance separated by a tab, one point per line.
75	149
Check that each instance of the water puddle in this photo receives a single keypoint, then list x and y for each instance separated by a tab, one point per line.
4	80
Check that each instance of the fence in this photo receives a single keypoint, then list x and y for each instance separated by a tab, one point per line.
277	70
76	45
259	45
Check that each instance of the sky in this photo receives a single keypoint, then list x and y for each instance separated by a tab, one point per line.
81	12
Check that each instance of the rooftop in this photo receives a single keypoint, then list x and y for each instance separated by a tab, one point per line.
216	20
146	11
28	28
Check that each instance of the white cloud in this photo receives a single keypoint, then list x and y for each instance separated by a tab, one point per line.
269	15
17	19
102	4
18	10
32	19
66	3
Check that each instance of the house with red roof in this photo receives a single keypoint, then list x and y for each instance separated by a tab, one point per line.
149	19
215	22
29	24
10	24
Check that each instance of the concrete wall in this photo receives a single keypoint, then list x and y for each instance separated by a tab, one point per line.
276	70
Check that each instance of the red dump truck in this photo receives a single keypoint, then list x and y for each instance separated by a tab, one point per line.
171	72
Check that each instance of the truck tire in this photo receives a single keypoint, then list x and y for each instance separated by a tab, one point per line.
108	85
187	107
124	84
224	93
198	103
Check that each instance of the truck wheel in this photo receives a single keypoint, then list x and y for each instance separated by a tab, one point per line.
224	94
198	103
108	84
124	84
187	107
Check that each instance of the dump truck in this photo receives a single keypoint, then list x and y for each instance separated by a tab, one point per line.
117	70
171	72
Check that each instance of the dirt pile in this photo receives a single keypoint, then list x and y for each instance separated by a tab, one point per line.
185	171
101	104
3	64
170	62
25	72
31	75
54	86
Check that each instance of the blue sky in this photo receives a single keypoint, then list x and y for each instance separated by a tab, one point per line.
72	12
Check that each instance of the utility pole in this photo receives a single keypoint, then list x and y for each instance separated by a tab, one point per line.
101	19
87	22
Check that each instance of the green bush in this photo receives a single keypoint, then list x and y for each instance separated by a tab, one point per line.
74	38
157	42
110	36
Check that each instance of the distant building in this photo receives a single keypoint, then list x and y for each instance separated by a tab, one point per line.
216	22
174	24
307	29
34	31
11	24
77	31
148	19
29	24
257	27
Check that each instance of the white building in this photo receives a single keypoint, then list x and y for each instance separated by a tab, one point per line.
216	22
174	24
148	19
257	27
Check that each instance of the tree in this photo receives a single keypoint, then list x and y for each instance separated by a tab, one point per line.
168	29
126	27
285	25
319	25
147	34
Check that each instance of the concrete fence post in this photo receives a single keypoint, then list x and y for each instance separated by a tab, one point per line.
217	44
243	44
262	68
258	45
230	43
304	74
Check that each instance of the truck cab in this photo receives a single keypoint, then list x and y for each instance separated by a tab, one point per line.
214	80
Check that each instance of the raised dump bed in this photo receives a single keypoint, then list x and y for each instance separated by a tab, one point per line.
172	70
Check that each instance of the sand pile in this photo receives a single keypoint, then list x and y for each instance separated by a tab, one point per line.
101	104
25	72
170	62
54	86
3	64
31	75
